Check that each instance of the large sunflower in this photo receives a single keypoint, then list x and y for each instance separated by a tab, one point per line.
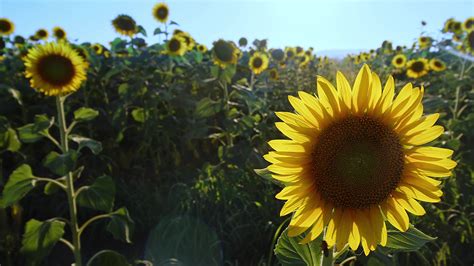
6	27
55	69
161	12
354	160
125	25
59	33
417	68
437	65
176	46
399	61
225	53
42	34
258	62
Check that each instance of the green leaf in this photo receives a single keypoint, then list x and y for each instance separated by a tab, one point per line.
43	123
411	240
267	175
33	132
40	237
85	114
174	23
139	115
215	70
21	181
9	140
94	145
108	258
289	251
157	31
121	225
141	30
99	196
207	107
52	188
61	164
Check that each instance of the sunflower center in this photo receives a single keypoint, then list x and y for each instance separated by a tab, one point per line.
174	45
162	12
224	51
438	64
5	26
42	33
125	24
399	60
358	161
60	34
257	62
418	66
56	70
289	54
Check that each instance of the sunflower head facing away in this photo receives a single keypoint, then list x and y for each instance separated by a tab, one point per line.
437	65
258	62
354	160
304	60
176	46
448	25
59	33
161	12
399	61
6	27
42	34
125	25
468	24
274	74
243	42
225	53
55	69
469	42
417	68
278	55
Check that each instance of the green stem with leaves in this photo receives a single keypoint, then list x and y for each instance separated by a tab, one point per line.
63	130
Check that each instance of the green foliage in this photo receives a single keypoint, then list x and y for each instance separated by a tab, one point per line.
411	240
40	237
121	226
289	251
61	164
98	196
21	181
85	114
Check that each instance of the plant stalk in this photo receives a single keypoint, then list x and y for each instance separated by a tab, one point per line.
69	183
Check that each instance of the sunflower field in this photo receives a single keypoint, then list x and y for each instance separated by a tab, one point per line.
175	153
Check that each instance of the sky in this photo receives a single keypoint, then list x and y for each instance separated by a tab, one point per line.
322	24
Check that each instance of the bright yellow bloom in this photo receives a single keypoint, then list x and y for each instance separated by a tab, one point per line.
176	46
290	52
468	24
424	42
225	53
125	25
190	42
304	60
161	12
98	48
55	69
201	48
354	160
6	27
274	74
42	34
417	68
437	65
399	61
59	33
258	62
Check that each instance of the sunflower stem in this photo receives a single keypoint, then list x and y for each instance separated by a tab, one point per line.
327	260
76	243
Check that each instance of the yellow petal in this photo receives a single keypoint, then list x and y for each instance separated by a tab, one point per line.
328	96
331	232
301	108
361	90
419	125
285	145
377	222
345	93
293	190
291	205
418	193
375	92
387	96
408	203
343	229
396	215
366	233
292	134
318	226
354	236
293	119
424	137
432	152
302	221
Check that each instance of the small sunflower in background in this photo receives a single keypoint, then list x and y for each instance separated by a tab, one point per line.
97	48
468	24
417	68
201	48
161	12
290	52
424	42
469	42
437	65
55	69
399	61
19	41
457	27
448	25
225	53
6	27
355	159
308	52
82	52
299	50
190	42
304	60
273	73
243	42
125	25
258	62
42	34
59	33
278	55
176	46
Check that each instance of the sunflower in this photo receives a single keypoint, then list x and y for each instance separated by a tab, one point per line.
448	25
98	48
469	42
437	65
161	12
290	52
176	46
468	24
258	62
354	160
424	42
55	69
190	42
399	61
417	68
225	53
456	27
125	25
201	48
304	60
243	42
6	27
42	34
299	50
274	74
59	33
278	55
19	41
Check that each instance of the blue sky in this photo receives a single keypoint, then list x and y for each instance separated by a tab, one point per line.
324	25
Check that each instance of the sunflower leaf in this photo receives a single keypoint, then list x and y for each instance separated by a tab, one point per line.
21	181
40	237
411	240
289	251
85	114
121	225
99	196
